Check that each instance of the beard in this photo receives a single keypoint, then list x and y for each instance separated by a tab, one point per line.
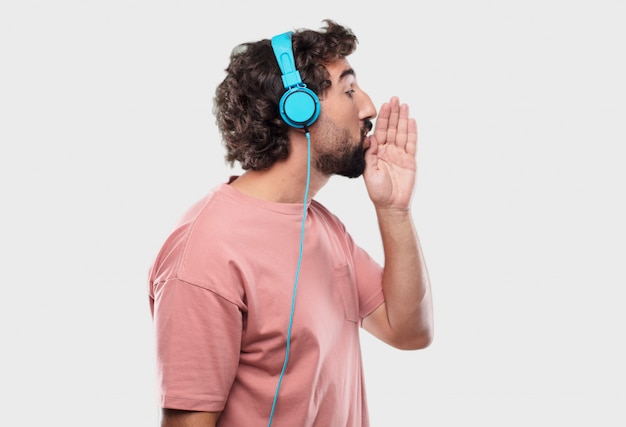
350	162
346	159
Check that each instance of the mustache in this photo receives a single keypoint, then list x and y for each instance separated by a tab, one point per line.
367	126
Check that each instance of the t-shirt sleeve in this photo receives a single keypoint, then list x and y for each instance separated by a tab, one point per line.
198	339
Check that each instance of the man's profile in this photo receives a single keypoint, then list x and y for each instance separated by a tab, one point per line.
223	297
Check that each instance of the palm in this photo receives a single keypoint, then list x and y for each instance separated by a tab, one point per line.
391	166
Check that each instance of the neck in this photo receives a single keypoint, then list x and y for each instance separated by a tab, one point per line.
284	181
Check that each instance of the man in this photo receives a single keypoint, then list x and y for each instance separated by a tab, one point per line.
259	292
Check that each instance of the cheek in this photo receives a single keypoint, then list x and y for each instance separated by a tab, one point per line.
357	130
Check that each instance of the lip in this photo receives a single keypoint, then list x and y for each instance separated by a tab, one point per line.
366	142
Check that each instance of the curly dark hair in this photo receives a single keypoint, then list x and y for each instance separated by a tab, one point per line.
246	101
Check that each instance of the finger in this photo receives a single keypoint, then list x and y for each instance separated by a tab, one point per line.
403	126
411	145
394	118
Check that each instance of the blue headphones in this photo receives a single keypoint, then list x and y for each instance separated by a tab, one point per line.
299	106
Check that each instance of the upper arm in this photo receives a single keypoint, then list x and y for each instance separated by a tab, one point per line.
198	342
177	418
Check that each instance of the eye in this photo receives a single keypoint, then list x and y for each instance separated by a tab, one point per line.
350	92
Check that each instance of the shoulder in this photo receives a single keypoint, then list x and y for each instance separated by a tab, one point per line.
192	239
322	213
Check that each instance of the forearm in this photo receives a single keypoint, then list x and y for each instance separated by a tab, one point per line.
406	285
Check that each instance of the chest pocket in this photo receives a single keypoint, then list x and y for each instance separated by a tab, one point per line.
346	287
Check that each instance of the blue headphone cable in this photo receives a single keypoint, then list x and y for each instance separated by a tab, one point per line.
295	284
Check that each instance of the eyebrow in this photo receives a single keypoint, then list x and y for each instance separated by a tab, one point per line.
347	72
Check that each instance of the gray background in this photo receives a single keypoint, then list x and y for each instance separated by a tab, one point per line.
107	136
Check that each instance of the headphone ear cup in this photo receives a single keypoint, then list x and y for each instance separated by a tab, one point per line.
299	107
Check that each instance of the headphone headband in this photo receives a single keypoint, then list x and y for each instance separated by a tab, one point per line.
284	56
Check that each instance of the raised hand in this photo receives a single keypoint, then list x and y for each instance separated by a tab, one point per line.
391	168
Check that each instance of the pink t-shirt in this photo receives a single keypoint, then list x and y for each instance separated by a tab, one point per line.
220	294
